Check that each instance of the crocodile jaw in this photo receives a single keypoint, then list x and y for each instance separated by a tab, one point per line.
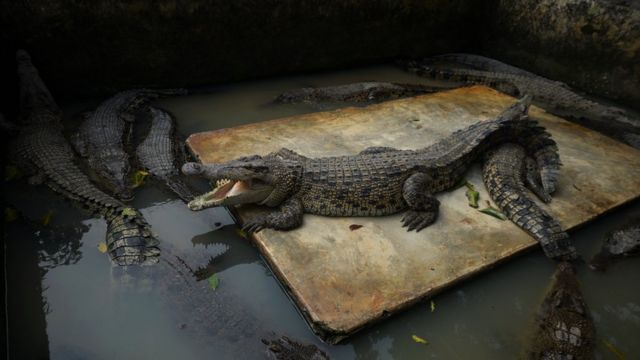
231	192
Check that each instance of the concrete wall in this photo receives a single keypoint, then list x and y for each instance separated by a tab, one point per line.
88	48
102	46
593	45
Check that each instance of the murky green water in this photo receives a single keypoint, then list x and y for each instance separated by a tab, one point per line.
68	302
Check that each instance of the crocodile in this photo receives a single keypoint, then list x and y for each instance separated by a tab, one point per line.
564	328
159	153
41	149
553	96
378	181
620	243
507	172
105	133
355	92
284	348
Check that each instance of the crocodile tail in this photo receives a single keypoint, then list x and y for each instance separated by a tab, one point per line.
178	186
129	238
504	171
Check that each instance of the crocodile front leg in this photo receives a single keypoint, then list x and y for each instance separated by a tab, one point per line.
423	207
287	217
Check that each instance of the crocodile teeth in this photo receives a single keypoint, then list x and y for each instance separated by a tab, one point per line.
222	182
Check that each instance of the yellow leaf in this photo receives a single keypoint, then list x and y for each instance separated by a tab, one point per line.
138	178
10	214
129	211
619	355
433	306
46	220
419	340
102	247
11	172
472	195
242	233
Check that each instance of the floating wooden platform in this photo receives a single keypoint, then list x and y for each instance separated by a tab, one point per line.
343	280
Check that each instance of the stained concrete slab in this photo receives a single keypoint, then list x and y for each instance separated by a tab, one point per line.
344	280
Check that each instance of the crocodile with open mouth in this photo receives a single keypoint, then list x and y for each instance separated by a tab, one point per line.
378	181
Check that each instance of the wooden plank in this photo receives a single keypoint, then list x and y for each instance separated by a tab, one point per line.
343	280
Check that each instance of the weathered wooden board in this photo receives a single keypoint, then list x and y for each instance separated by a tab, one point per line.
343	280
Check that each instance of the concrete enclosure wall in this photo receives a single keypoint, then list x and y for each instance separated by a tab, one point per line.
98	47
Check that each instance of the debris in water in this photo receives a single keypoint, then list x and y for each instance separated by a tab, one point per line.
619	354
46	220
242	233
419	340
472	195
139	177
214	282
433	306
10	214
11	172
102	247
354	227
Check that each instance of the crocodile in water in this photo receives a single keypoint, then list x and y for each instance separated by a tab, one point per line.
554	96
41	149
378	181
160	154
106	132
355	92
620	243
507	171
564	328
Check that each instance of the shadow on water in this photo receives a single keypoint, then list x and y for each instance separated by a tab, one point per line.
67	302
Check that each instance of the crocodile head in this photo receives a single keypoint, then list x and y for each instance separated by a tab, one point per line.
267	180
114	170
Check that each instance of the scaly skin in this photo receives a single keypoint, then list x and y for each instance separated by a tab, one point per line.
159	154
286	349
356	92
620	243
505	172
40	148
378	181
482	63
564	328
106	132
554	96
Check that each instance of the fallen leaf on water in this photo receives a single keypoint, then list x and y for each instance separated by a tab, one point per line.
46	220
354	227
102	247
129	211
214	281
433	306
10	214
138	178
472	195
242	233
490	210
619	355
11	172
419	340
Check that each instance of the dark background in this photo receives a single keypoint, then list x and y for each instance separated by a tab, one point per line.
95	48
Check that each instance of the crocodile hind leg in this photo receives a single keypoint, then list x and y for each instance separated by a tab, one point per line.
287	217
533	180
423	207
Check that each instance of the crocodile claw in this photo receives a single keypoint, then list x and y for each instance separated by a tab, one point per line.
253	226
417	220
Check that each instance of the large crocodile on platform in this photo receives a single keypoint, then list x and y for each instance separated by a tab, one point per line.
378	181
41	149
161	154
564	328
554	96
106	132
